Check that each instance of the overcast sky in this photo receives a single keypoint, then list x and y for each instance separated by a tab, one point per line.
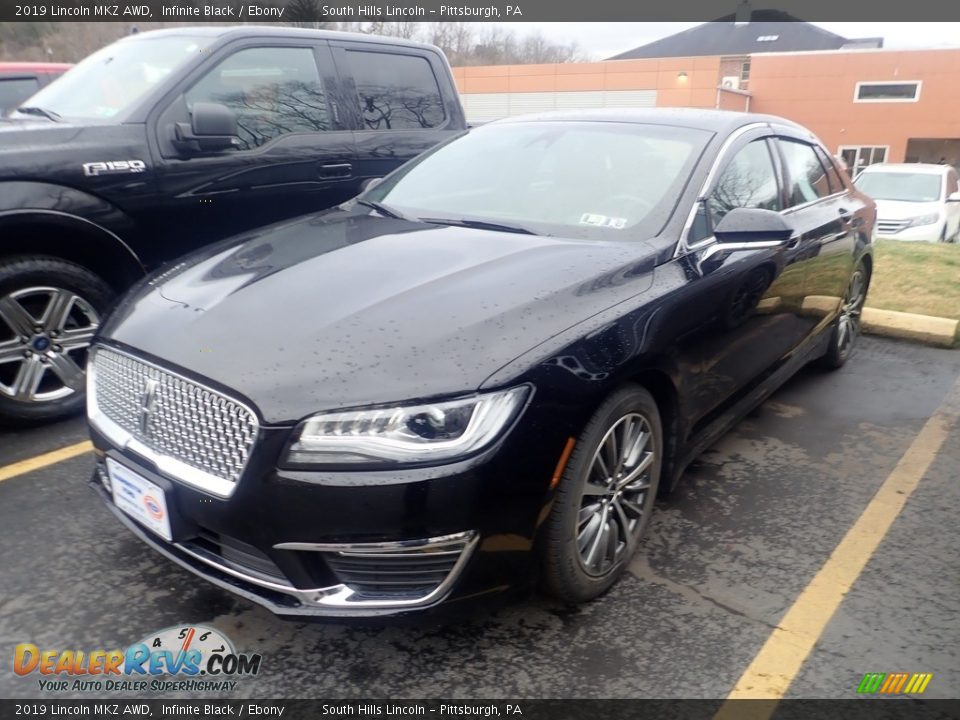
603	39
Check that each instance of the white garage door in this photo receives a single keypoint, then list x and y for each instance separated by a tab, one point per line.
484	107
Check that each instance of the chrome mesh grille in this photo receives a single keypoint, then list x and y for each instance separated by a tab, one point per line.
187	422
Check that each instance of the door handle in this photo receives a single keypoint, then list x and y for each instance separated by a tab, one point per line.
336	170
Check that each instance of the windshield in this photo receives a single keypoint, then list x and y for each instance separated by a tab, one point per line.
599	180
112	79
903	186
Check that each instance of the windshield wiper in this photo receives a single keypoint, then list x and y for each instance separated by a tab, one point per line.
383	209
48	114
479	225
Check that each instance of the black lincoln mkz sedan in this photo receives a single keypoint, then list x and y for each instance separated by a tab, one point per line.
477	374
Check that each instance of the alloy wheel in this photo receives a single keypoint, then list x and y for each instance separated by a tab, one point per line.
614	494
44	336
848	327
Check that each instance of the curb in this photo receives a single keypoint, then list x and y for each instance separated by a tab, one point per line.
926	329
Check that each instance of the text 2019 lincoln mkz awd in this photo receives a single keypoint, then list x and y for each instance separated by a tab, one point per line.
478	373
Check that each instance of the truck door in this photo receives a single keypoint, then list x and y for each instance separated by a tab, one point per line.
293	156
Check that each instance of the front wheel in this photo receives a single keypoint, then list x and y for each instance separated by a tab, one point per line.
49	312
605	497
846	329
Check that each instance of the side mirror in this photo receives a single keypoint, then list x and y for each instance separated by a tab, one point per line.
953	197
752	225
212	127
370	184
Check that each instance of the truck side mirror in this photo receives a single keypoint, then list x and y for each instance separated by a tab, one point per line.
212	127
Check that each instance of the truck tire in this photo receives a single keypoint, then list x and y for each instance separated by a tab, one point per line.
49	312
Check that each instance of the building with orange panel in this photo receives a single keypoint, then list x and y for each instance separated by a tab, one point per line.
867	105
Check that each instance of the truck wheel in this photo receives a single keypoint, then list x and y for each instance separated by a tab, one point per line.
605	497
49	312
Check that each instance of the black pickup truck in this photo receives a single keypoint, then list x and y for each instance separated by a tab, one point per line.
172	139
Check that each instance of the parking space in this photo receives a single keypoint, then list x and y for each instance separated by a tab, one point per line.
726	557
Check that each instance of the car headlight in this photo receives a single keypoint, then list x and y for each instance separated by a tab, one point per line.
424	433
924	220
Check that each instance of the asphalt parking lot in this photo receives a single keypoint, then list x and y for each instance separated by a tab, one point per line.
728	555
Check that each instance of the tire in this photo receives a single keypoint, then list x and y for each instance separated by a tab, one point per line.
573	575
943	234
846	328
49	312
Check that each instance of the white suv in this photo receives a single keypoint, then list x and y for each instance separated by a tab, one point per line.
915	201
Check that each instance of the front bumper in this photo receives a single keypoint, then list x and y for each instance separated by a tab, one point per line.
355	544
921	233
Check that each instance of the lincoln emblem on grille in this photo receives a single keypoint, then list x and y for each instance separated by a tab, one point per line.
148	403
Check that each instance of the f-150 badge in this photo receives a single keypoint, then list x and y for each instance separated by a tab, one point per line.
109	167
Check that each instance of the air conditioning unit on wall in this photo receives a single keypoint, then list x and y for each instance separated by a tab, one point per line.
730	82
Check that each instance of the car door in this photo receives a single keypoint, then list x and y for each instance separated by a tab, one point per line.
741	318
400	100
294	155
826	215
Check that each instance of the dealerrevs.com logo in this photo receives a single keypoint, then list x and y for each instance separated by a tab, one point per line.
192	658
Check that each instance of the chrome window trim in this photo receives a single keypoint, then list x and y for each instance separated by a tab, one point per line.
124	440
341	597
683	247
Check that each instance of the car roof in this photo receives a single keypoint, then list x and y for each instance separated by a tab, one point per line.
719	121
233	32
33	67
928	168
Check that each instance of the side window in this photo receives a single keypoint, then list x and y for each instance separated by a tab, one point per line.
748	181
396	91
273	91
833	177
15	90
808	179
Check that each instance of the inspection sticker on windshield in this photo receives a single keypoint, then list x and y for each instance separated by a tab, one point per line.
603	221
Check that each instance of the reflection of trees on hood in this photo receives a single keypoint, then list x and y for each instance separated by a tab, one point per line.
277	109
386	107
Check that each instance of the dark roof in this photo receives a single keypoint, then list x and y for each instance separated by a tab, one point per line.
720	121
724	36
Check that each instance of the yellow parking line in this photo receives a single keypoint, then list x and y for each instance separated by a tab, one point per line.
783	654
41	461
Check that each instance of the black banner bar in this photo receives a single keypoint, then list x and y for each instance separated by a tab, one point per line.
320	11
110	708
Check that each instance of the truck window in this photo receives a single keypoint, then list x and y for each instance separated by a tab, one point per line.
14	91
396	92
273	91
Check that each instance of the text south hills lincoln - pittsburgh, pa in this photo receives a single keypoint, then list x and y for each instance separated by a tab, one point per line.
446	11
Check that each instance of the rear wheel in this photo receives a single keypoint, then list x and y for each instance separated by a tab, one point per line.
49	312
846	329
605	497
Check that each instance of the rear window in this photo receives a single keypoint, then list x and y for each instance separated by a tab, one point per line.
14	91
396	92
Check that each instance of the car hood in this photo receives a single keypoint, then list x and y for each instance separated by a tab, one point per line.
900	210
22	133
340	309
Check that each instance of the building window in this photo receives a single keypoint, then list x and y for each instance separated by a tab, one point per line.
745	71
857	157
887	91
